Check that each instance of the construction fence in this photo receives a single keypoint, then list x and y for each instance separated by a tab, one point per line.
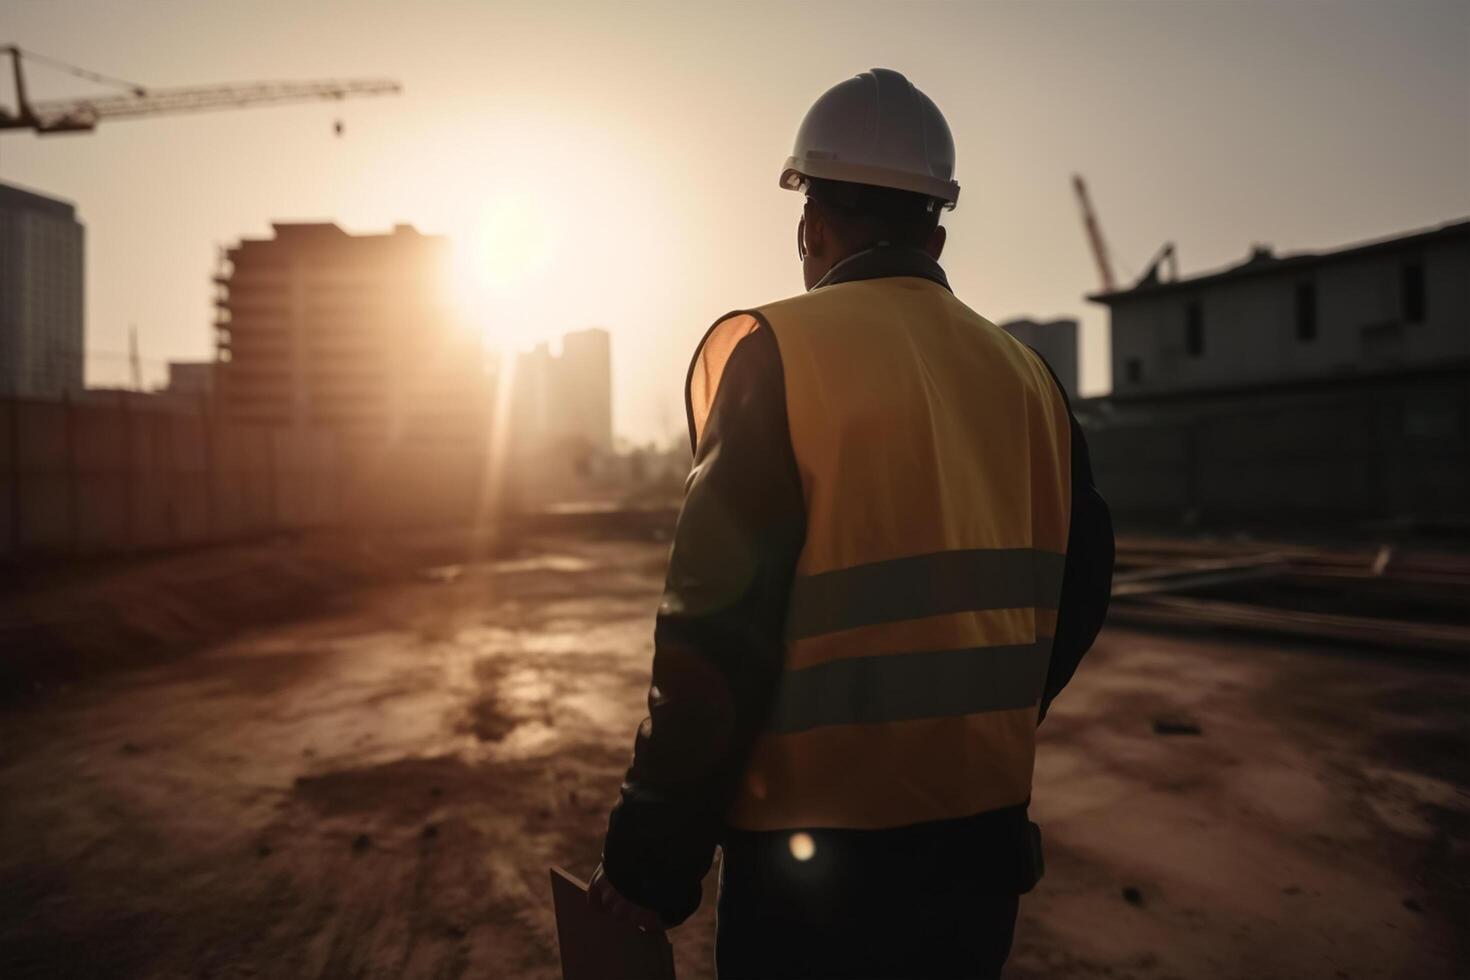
96	479
1388	449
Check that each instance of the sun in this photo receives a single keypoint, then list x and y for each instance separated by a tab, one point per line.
503	254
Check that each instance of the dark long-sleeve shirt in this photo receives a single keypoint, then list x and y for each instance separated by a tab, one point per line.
718	639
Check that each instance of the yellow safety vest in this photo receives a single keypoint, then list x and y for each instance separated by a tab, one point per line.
934	454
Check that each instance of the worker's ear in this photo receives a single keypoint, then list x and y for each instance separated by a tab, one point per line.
813	231
814	245
935	245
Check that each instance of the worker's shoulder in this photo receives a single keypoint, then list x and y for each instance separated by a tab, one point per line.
791	304
1025	360
781	310
736	325
804	307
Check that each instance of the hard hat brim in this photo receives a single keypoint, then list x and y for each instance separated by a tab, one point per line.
946	191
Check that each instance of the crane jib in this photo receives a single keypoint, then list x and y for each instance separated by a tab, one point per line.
80	115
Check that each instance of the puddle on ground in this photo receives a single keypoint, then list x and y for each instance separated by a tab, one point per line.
527	739
545	563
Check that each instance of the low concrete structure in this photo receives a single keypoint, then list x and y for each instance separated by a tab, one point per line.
1400	303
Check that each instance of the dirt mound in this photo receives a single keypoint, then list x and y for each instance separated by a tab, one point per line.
61	623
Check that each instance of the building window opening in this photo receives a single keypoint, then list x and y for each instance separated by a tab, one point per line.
1133	370
1194	329
1412	292
1306	311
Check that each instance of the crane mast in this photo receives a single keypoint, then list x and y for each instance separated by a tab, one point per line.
83	115
1094	236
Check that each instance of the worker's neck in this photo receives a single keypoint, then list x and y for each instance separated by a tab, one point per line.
883	260
847	254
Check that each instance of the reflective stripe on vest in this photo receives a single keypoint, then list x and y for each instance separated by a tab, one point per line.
934	454
910	686
924	585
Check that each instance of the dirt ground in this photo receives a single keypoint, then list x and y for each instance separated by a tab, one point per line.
376	790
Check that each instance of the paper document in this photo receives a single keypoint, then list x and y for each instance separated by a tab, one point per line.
595	946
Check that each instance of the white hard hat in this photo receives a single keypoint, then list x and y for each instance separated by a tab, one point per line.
877	129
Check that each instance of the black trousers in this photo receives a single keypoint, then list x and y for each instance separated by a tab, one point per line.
932	901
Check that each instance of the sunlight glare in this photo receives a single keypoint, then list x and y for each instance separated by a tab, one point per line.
501	256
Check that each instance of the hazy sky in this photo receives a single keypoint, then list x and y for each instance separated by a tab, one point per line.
621	160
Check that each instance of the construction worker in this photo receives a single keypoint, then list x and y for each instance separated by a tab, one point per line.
889	560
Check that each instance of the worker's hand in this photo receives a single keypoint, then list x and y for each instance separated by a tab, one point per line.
602	895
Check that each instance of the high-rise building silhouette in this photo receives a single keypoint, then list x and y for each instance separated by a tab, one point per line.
565	402
41	333
1054	340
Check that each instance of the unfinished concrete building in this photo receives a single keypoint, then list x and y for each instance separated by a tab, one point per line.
321	329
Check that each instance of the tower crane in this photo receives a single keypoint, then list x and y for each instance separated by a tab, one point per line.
1166	258
83	115
1094	236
